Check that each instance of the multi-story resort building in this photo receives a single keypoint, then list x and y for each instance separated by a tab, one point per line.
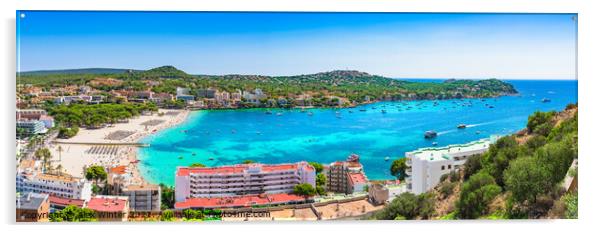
33	115
241	180
427	165
55	185
345	176
145	197
32	126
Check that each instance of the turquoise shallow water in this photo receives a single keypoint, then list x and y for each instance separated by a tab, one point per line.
231	136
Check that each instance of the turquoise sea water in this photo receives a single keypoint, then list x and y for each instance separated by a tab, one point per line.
231	136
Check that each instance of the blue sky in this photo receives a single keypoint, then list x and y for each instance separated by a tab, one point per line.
511	46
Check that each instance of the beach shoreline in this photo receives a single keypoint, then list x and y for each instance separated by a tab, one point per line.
114	145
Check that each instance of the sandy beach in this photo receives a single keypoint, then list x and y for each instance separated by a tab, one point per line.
94	146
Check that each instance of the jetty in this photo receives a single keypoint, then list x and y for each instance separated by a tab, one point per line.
138	144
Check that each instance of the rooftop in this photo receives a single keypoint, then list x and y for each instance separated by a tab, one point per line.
108	203
143	187
31	201
242	168
54	200
357	178
249	200
53	177
444	153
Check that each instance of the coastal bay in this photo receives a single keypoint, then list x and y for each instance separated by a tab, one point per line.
374	131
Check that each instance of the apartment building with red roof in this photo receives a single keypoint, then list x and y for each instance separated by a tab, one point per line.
241	180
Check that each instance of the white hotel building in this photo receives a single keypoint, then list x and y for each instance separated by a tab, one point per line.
427	165
55	185
242	179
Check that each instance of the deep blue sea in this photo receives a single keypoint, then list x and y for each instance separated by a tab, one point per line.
232	136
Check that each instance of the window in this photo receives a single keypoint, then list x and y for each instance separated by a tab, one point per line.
449	166
443	167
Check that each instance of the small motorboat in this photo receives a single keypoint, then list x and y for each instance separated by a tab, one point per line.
461	126
181	157
434	143
362	110
193	154
310	113
383	111
268	112
211	158
546	100
478	132
430	134
279	114
387	158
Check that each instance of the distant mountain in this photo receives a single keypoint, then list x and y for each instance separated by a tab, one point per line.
79	71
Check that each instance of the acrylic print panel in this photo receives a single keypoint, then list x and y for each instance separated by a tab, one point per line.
262	116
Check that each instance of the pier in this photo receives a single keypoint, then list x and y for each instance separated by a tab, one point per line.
137	144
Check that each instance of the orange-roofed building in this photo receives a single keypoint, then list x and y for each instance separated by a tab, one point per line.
241	179
110	208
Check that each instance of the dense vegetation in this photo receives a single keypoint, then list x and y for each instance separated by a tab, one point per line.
320	178
408	206
304	190
168	198
94	116
523	171
73	214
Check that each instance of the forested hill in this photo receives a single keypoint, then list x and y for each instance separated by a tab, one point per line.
348	84
528	175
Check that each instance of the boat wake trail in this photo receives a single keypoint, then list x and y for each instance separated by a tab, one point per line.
480	124
445	132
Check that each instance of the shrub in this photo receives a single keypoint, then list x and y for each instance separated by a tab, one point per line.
454	176
526	178
167	216
472	166
538	118
447	189
476	194
570	200
443	178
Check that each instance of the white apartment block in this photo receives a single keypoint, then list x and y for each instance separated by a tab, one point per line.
241	179
56	185
427	165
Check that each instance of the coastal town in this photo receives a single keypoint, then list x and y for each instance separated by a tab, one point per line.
77	148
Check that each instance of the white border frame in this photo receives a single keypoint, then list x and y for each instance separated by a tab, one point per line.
589	83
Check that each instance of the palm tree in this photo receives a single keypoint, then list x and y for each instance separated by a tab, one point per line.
44	155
